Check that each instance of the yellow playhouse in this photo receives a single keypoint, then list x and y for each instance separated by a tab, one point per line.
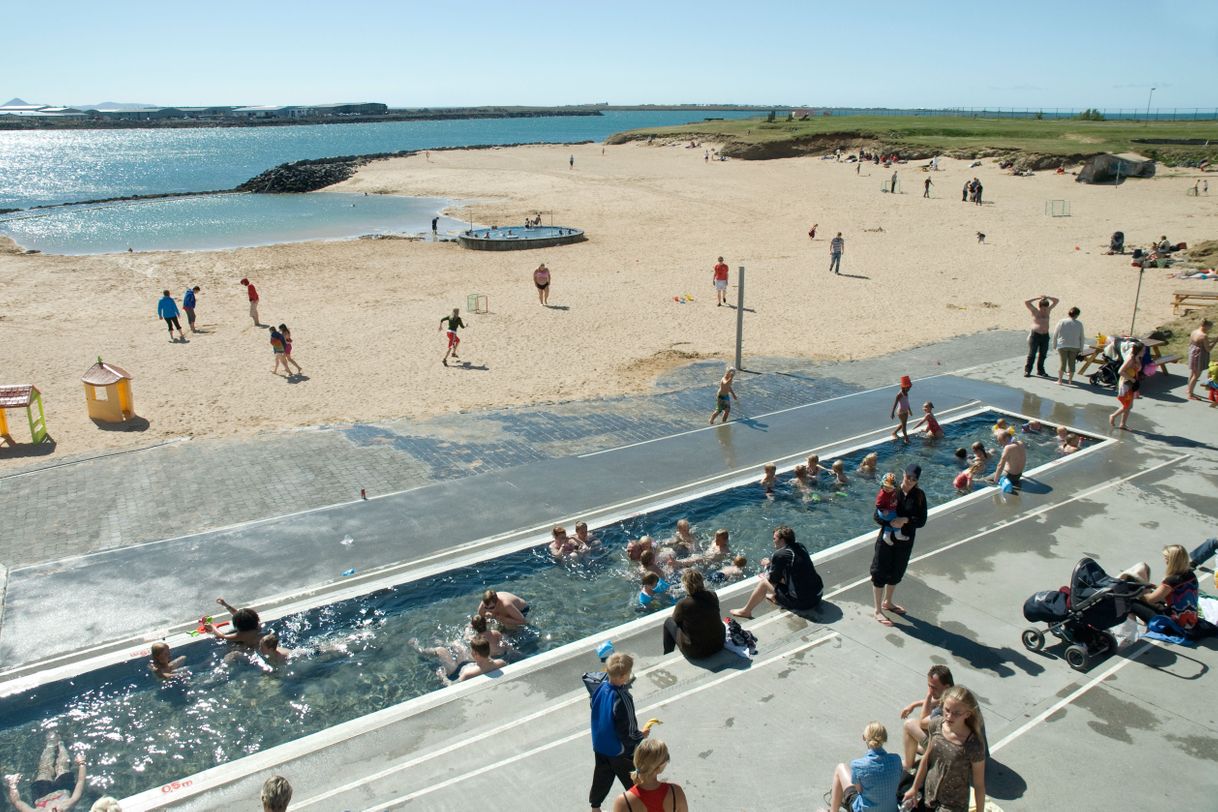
22	396
108	393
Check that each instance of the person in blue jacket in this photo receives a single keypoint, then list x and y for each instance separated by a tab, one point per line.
189	299
615	729
167	309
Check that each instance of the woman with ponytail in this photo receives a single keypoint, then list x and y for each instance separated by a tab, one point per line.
955	755
870	782
649	793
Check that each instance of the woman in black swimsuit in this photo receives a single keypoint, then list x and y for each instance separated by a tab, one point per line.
541	278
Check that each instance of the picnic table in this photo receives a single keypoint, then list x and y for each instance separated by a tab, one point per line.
1092	354
1182	298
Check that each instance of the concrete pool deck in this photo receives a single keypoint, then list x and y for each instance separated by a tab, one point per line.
813	685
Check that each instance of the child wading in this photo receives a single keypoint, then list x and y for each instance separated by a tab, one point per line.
723	398
900	409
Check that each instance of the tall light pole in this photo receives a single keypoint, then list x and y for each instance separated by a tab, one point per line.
1148	98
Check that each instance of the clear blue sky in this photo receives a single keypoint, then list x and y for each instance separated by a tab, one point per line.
1066	53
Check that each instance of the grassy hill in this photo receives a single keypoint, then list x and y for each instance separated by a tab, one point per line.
1038	143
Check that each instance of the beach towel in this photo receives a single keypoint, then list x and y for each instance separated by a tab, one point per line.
1163	628
1208	608
738	640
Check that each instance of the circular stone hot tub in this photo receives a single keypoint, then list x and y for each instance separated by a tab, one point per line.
515	238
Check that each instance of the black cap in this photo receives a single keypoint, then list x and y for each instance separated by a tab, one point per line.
913	471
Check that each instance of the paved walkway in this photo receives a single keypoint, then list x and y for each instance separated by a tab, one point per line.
72	506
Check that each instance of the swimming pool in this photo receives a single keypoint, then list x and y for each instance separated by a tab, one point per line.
513	238
139	734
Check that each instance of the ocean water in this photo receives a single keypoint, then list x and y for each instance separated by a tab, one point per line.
223	221
43	167
360	655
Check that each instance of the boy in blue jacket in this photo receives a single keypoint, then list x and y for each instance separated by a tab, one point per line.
615	729
167	309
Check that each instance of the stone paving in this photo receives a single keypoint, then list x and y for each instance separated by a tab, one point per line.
70	506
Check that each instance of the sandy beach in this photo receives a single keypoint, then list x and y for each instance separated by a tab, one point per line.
364	313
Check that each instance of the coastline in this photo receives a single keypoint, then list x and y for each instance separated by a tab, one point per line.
364	312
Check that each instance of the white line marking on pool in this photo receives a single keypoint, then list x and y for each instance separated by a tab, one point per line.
541	748
752	417
1045	714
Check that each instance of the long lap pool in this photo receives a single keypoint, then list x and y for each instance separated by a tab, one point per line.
358	656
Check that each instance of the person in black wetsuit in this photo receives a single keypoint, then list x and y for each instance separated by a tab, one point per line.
791	582
891	557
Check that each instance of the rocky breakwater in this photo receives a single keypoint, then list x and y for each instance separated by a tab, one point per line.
304	176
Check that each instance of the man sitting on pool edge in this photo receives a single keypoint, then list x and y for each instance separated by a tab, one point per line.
791	581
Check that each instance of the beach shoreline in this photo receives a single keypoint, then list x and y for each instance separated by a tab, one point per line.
365	313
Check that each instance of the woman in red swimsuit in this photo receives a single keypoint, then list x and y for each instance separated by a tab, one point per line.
649	793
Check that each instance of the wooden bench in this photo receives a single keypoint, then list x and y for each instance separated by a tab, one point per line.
1182	298
1162	362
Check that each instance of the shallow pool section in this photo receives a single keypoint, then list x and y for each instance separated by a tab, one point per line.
358	656
212	222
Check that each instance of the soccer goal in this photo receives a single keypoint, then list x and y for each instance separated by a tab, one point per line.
1057	208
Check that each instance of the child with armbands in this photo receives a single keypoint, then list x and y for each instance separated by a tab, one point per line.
1211	386
654	591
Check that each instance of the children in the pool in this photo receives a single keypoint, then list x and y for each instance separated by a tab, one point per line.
1032	427
815	469
839	474
1067	441
247	626
162	665
928	422
654	589
800	477
731	572
769	477
868	465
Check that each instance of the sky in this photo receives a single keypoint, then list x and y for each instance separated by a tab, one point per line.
1067	53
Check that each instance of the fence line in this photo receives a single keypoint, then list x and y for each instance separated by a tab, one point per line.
1109	113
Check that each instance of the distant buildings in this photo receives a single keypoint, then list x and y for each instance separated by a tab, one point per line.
19	109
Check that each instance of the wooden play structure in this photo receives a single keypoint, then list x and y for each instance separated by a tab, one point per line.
108	393
22	396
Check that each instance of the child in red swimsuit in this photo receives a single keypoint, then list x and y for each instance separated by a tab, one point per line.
933	429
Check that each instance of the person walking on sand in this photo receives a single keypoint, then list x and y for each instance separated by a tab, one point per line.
926	184
893	187
723	398
167	309
812	231
571	162
454	322
435	227
1199	346
1038	334
964	192
541	280
719	279
1068	340
189	300
287	349
277	348
837	247
253	294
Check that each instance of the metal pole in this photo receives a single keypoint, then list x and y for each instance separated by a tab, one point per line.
739	316
1136	296
1148	98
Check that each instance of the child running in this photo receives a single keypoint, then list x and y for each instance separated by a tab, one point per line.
933	430
454	322
900	409
886	508
725	395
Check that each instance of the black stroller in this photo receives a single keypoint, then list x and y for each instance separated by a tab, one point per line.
1082	613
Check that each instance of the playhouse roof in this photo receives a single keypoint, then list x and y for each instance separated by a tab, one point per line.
103	374
16	396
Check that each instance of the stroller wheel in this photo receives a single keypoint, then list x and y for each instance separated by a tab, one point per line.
1033	640
1077	657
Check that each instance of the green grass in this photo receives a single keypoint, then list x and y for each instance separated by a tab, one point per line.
962	135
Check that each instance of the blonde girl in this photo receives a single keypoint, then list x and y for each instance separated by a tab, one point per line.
955	755
649	793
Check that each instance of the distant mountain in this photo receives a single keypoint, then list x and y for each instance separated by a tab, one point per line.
108	105
15	103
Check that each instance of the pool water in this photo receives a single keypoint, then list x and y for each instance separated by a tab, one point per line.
357	656
521	232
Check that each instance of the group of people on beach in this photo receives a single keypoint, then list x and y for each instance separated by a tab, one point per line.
280	336
1131	357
